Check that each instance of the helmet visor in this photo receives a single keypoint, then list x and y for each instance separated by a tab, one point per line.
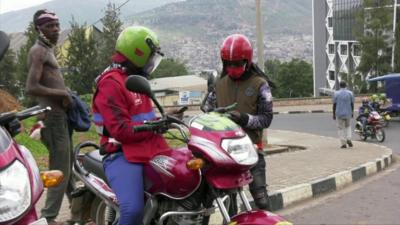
153	63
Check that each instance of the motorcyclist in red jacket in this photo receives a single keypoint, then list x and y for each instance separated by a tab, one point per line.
116	111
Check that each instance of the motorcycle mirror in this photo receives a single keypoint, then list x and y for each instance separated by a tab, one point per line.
139	84
4	43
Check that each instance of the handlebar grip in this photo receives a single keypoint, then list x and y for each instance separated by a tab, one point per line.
141	128
182	110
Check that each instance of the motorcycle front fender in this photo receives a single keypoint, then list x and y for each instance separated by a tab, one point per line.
258	217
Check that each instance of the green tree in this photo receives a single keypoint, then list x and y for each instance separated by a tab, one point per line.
112	27
170	67
22	63
376	19
81	66
293	79
8	80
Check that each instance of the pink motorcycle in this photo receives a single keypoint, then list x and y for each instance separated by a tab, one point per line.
185	185
21	183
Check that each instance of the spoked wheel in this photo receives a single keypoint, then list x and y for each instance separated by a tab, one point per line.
101	213
380	135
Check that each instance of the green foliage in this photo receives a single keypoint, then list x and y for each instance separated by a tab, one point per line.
293	79
112	26
81	63
22	62
376	18
169	68
8	80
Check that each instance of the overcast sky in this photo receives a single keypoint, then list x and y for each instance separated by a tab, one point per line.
11	5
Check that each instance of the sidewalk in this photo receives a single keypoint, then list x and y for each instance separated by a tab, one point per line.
320	168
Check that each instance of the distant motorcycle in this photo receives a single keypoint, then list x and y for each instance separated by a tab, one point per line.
373	128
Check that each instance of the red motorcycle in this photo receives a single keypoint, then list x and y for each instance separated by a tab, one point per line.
372	129
21	183
185	185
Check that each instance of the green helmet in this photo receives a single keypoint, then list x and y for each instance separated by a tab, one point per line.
374	97
140	46
382	96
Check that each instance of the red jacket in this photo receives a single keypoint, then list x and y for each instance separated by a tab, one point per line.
116	111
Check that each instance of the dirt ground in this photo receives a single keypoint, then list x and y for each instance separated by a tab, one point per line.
8	102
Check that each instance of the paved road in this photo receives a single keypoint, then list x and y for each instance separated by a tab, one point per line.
376	200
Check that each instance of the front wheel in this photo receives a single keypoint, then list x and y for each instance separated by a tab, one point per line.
380	135
363	136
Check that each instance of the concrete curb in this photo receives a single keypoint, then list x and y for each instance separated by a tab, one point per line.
288	196
303	111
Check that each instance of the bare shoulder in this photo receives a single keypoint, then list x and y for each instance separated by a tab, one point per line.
38	52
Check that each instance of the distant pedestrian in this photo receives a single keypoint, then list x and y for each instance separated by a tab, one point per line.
343	108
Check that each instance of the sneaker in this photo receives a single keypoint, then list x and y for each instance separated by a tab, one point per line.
349	143
343	146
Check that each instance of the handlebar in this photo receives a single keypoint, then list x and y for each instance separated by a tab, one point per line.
164	124
33	111
226	109
7	117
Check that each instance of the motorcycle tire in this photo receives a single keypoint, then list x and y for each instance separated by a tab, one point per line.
363	136
380	135
98	212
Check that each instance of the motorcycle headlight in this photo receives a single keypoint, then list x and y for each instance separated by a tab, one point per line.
15	193
37	184
241	150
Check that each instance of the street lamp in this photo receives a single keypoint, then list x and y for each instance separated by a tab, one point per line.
260	42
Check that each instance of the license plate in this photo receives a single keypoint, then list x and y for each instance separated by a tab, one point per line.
41	221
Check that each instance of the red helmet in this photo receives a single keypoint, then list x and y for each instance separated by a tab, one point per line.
236	55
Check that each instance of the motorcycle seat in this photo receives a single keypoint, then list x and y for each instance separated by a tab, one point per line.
92	162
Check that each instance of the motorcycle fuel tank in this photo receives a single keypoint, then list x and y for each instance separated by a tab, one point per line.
167	174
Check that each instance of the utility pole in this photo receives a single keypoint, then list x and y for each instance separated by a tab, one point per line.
394	31
259	33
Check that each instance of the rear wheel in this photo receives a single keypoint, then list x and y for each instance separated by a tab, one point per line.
101	213
380	135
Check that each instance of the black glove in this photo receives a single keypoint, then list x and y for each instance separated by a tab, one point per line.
239	118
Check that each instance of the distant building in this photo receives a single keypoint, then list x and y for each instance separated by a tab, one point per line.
179	90
335	48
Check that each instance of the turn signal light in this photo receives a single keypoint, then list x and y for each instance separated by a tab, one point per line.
51	178
284	223
195	164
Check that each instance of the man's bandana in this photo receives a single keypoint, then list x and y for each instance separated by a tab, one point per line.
47	16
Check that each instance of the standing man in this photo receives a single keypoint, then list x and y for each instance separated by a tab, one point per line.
242	82
343	108
46	84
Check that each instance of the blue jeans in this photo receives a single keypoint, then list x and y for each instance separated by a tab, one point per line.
126	180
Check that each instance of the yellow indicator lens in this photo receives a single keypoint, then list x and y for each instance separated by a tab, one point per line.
195	164
51	178
284	223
